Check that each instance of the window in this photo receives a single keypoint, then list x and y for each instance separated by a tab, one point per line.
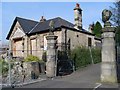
33	46
45	43
23	44
69	43
89	42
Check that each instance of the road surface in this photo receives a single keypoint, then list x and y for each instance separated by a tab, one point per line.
88	77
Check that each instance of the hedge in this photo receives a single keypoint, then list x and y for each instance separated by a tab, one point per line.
82	56
96	54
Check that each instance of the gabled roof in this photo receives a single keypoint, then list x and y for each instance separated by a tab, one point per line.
45	25
33	27
26	25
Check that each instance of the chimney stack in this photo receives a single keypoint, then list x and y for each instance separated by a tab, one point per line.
42	19
78	17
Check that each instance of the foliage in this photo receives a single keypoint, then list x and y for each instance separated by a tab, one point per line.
97	29
32	58
116	19
116	13
82	56
44	57
117	36
3	67
96	54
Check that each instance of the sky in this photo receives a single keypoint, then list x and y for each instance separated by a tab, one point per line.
34	10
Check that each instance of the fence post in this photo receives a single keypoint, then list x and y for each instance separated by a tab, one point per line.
9	57
108	67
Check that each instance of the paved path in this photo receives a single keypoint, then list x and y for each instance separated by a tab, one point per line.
88	77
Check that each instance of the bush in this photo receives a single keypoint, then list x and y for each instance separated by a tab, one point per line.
44	57
82	56
32	58
3	67
96	54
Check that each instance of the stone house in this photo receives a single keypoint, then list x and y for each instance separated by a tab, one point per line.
29	37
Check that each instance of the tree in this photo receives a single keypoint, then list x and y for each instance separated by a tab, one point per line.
97	29
116	19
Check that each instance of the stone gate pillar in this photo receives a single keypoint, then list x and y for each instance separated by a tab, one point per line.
108	67
51	53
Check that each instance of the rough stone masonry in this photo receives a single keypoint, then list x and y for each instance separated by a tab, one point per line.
108	67
51	52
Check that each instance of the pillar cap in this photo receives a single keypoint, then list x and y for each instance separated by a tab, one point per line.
108	29
107	24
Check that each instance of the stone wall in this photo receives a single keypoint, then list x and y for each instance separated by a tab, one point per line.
77	38
41	43
22	72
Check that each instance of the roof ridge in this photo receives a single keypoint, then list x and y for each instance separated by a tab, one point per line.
51	19
37	25
41	23
26	19
60	20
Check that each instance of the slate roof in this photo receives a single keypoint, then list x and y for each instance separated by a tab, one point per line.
32	27
26	24
45	25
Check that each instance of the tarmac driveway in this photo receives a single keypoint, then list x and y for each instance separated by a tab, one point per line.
87	77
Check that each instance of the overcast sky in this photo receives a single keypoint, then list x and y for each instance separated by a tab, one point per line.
91	12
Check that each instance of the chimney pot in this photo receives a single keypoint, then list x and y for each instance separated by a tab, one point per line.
77	5
42	19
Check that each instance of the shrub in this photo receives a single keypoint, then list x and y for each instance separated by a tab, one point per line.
32	58
44	57
82	56
3	67
96	54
